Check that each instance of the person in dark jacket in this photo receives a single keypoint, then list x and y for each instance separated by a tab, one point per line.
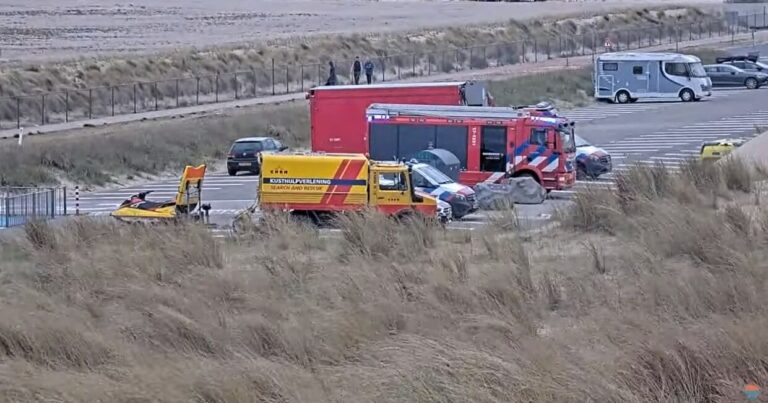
368	70
331	74
356	70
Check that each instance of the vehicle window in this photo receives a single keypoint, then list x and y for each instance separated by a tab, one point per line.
247	147
580	142
637	70
419	180
392	181
434	175
740	65
277	144
610	66
710	69
675	69
539	136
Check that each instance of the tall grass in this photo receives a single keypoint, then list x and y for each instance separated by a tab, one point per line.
146	148
641	296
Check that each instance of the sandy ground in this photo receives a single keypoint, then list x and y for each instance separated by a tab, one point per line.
36	30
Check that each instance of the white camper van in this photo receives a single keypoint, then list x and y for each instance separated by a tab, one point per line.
626	77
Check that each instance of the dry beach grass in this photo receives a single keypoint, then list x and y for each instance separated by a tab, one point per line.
654	293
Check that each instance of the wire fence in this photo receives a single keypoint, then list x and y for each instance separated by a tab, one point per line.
98	102
18	205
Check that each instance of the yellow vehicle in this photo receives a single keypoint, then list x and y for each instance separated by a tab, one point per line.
186	204
714	150
316	184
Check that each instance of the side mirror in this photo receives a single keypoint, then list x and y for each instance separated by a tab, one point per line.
283	148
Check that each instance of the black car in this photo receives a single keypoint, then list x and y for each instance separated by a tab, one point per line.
244	153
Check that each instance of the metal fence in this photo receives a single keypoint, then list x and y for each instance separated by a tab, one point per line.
21	204
81	104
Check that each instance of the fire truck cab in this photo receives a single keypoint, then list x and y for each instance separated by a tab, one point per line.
491	143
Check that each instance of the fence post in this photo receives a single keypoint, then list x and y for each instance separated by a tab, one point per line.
134	97
302	78
42	109
413	63
18	113
273	76
154	86
383	70
64	200
236	85
90	103
77	200
549	54
66	106
498	57
287	80
522	53
429	64
470	58
197	91
216	90
177	93
112	90
535	51
254	81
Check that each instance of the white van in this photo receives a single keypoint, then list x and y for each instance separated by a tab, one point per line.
626	77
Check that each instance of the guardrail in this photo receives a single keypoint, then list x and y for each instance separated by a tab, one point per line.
18	205
89	103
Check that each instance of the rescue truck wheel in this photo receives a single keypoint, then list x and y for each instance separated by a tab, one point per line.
231	172
686	95
622	97
751	83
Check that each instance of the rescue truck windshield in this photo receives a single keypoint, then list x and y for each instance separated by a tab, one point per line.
568	144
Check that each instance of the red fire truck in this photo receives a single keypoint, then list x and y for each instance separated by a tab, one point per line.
491	143
337	113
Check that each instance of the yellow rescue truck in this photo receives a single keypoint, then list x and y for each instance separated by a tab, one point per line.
318	184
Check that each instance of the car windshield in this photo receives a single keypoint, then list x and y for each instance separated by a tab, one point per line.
697	70
433	175
566	138
580	142
247	147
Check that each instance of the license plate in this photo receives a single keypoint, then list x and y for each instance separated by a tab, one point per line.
245	164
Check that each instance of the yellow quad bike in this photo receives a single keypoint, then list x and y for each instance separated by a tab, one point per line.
714	150
186	205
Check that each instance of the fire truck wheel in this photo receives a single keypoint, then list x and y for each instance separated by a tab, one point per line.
622	97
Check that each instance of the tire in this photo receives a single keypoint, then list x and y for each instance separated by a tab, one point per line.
751	84
687	95
581	172
232	172
623	97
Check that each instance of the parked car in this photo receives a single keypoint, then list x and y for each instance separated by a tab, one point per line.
748	65
716	149
244	153
432	181
591	161
725	75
